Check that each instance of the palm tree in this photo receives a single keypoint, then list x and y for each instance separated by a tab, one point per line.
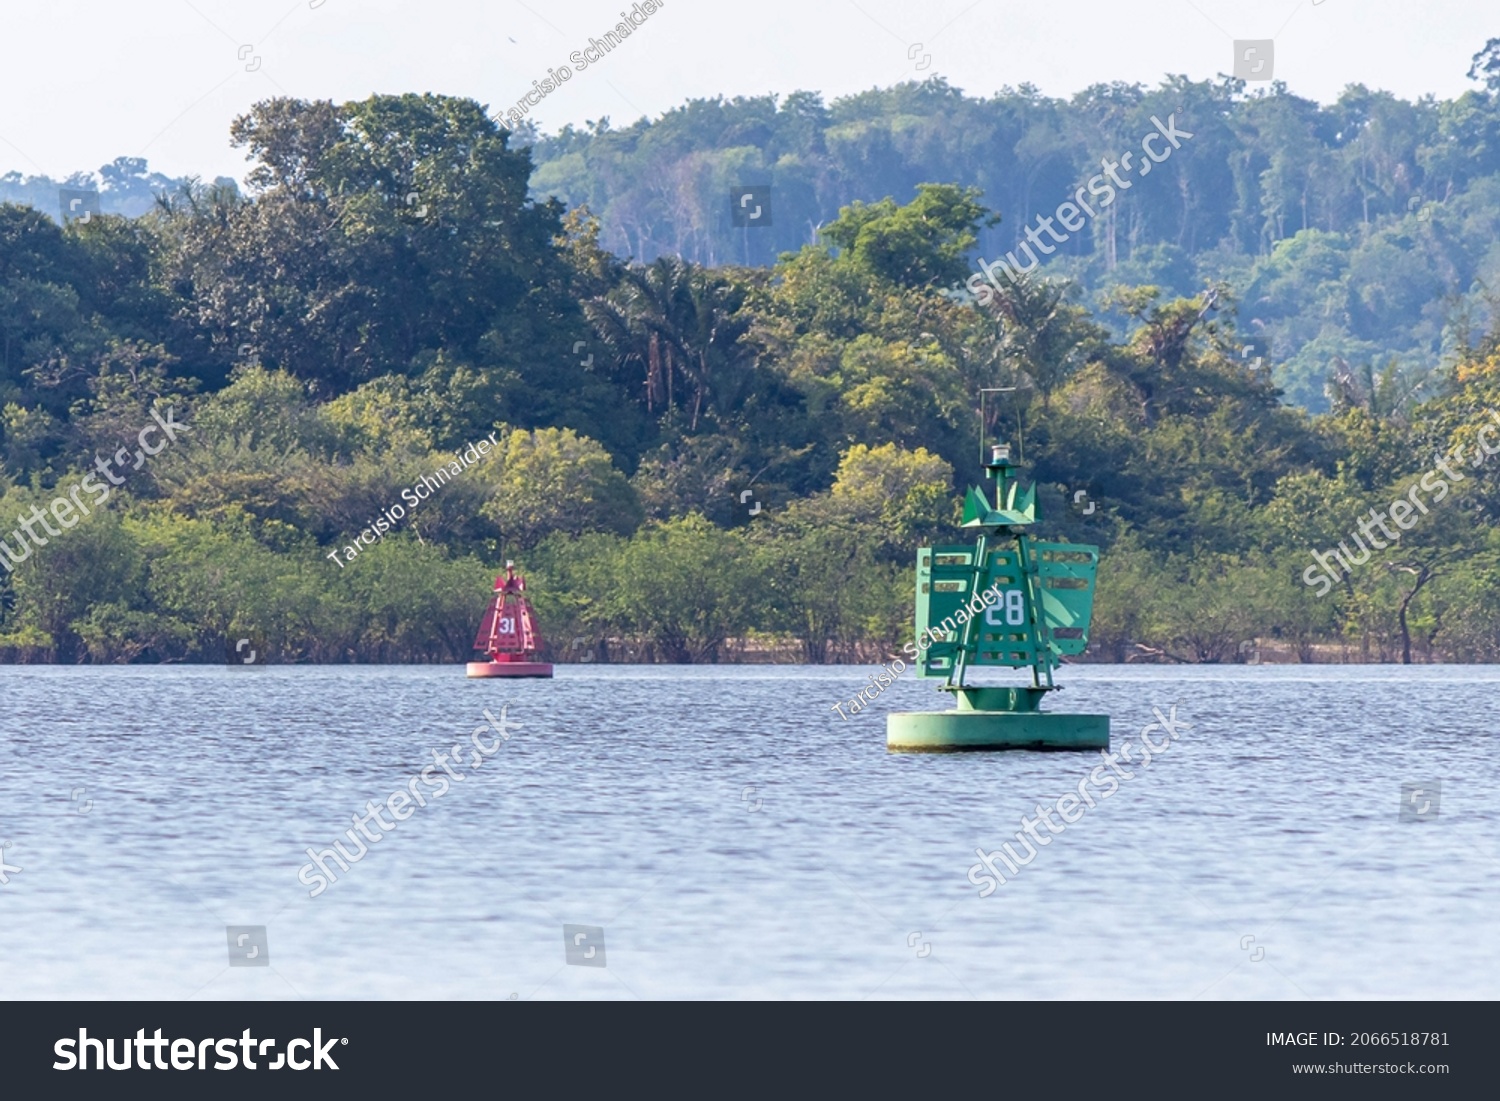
673	318
1044	335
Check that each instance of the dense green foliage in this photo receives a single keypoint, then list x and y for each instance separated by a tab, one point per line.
1352	231
390	292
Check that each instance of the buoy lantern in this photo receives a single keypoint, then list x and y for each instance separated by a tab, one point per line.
508	636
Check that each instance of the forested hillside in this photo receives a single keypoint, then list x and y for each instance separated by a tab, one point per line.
695	462
124	186
1354	233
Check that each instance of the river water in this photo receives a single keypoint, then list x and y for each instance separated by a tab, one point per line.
723	833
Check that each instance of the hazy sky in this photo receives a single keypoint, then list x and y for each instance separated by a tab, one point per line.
85	81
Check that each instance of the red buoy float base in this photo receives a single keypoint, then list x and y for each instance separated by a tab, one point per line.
509	669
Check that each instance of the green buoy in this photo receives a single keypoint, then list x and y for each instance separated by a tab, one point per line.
1007	601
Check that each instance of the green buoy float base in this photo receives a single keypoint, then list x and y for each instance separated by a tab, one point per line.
962	729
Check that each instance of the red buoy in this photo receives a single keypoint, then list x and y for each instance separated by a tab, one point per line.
508	635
